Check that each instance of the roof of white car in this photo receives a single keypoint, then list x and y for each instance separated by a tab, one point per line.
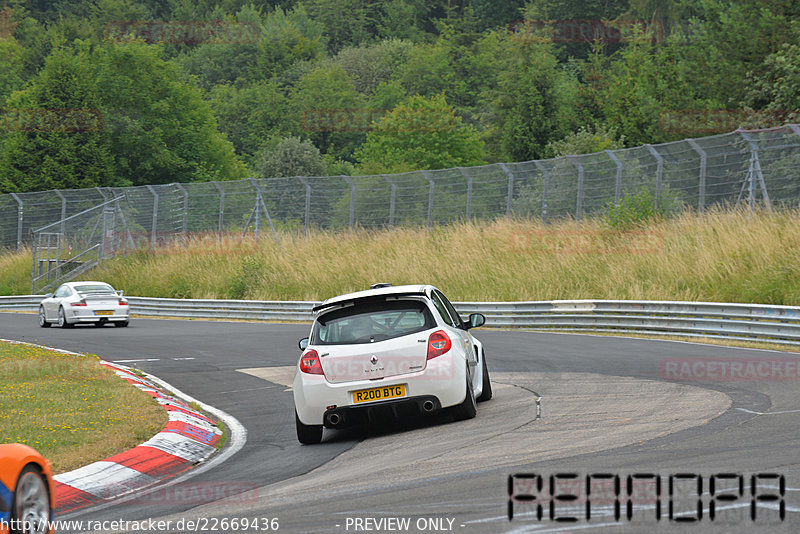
382	291
73	284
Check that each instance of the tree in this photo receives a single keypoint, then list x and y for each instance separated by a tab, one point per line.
56	140
161	129
290	157
11	67
422	133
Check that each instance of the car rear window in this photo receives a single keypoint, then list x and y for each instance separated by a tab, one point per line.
371	321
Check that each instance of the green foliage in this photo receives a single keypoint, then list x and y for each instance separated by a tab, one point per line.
586	141
56	140
11	67
633	209
290	157
422	133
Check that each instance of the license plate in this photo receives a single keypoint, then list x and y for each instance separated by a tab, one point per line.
375	394
103	312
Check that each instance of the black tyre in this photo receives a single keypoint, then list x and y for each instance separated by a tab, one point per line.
486	394
468	408
43	318
121	323
99	324
31	505
307	434
62	319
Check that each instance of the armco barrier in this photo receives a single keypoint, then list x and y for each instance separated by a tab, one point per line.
692	319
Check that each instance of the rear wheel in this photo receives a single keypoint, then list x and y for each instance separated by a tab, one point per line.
62	319
307	434
467	409
486	393
43	318
31	507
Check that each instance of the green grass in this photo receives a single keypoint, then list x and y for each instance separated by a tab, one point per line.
725	256
70	408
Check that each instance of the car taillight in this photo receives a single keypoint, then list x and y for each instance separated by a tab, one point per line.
310	364
81	303
123	302
438	344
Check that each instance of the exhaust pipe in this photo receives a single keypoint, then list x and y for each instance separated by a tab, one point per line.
428	406
334	419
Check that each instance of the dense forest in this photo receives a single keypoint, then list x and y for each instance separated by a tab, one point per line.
133	92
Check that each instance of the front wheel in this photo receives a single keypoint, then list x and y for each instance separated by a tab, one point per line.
31	507
486	392
43	318
62	319
307	434
467	409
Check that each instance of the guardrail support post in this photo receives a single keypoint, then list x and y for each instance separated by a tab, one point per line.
20	208
701	202
155	217
430	197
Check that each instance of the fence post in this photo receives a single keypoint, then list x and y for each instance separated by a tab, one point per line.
545	187
618	187
430	197
510	188
659	171
701	202
391	200
63	209
19	220
260	205
754	173
221	207
308	203
579	202
102	194
185	212
469	191
352	200
155	217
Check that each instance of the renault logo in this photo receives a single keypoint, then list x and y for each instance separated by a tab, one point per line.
374	360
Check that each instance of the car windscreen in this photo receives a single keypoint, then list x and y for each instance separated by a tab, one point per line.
371	321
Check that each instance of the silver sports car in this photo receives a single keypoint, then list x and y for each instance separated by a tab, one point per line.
84	302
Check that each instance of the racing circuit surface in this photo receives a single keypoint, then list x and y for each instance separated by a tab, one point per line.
607	407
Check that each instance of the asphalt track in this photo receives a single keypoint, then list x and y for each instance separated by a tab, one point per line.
606	408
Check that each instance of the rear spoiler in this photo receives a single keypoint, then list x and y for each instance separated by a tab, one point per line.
352	301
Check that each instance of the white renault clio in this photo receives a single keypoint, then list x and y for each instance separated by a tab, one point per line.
387	352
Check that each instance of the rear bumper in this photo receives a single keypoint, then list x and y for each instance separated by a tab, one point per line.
345	416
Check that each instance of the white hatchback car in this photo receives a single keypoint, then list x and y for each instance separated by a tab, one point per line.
84	302
387	352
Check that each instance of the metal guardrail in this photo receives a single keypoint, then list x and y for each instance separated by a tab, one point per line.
693	319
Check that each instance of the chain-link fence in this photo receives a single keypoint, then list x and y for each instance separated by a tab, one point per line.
741	167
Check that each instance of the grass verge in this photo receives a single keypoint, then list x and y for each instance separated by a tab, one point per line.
70	408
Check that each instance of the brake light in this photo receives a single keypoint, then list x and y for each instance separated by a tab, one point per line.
310	364
438	344
81	303
123	302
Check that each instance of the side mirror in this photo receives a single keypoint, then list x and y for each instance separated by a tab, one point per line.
120	292
303	343
48	295
476	320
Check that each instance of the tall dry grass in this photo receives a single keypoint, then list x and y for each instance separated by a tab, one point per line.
735	256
